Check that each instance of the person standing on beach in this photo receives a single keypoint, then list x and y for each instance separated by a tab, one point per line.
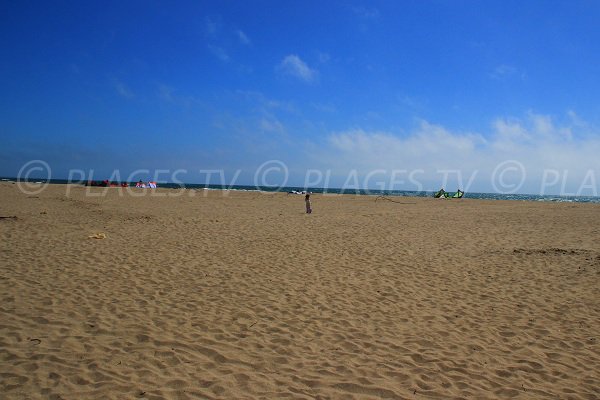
307	202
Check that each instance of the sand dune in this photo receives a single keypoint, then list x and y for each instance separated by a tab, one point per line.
218	295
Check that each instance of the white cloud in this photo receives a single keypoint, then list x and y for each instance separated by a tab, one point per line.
366	17
506	71
576	120
219	52
324	107
503	70
429	145
243	37
536	141
265	104
171	95
271	125
509	134
294	66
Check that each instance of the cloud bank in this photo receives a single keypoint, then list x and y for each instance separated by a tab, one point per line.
539	155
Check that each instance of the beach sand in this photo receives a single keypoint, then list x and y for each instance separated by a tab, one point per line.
241	295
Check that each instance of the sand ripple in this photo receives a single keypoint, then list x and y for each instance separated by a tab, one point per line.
246	297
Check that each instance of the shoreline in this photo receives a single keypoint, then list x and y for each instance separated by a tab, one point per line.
357	192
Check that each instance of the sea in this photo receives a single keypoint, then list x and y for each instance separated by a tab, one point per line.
363	192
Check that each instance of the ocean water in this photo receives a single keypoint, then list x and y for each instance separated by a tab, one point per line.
365	192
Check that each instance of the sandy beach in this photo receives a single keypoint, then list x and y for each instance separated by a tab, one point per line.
116	294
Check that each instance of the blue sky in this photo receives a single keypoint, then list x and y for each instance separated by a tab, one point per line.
331	86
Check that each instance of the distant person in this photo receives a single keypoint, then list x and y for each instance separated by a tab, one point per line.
307	202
